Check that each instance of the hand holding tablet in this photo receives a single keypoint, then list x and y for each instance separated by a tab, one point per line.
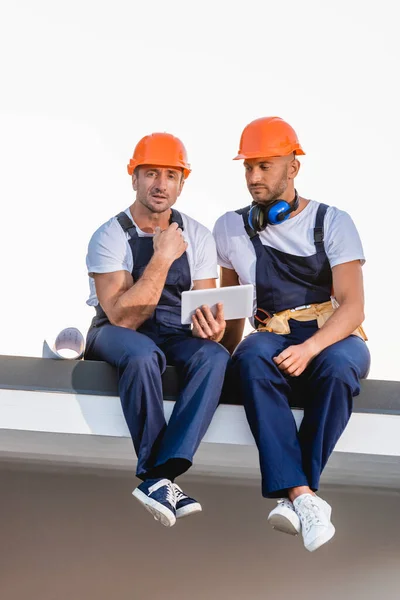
237	301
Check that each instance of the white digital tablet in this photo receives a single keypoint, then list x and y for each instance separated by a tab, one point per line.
237	301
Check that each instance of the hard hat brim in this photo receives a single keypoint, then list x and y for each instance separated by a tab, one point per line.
297	151
159	163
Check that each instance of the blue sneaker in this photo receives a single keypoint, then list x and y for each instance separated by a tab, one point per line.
185	505
158	496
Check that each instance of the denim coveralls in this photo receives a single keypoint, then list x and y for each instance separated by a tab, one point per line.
141	357
326	387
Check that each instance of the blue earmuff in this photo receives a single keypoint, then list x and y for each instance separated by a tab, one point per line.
259	215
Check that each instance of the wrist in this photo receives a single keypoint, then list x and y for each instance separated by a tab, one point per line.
312	346
161	259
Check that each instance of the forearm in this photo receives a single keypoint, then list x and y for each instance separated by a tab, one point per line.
340	325
137	304
233	334
234	328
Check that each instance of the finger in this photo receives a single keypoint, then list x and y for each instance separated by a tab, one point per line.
197	330
282	368
286	364
179	234
217	327
157	230
173	226
292	369
219	317
298	371
203	323
208	314
282	356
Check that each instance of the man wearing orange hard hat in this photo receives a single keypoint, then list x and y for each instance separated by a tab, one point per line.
139	263
305	259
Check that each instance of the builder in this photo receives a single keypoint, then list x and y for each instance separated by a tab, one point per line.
139	263
305	260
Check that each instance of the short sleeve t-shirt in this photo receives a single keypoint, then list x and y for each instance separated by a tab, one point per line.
293	236
109	251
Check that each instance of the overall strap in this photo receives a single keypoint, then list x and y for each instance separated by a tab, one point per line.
127	224
245	212
319	228
176	217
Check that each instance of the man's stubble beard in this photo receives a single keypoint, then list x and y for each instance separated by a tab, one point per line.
273	195
154	209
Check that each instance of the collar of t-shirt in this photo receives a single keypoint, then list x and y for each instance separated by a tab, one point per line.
139	231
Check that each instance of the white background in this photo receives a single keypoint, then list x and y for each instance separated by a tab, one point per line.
82	81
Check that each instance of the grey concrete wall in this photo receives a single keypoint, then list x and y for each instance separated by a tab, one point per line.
82	536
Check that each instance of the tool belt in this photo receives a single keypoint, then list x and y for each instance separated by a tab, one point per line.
279	322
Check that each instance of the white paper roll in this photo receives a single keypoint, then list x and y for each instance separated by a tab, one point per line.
69	344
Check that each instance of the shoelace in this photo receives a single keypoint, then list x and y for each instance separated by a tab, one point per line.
285	502
179	495
309	514
171	497
170	493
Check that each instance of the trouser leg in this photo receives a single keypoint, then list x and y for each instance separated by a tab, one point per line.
201	366
265	393
139	363
330	382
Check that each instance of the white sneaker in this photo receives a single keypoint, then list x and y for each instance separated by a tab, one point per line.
315	517
284	518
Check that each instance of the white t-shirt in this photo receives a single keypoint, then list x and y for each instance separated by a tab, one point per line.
109	251
293	236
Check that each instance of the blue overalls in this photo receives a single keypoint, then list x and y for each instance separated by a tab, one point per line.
326	388
141	357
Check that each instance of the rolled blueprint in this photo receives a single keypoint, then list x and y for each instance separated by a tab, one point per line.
69	344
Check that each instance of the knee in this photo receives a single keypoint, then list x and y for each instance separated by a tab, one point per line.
147	357
251	355
215	355
332	363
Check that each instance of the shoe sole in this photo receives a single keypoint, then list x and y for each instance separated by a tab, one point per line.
159	511
190	509
283	523
322	539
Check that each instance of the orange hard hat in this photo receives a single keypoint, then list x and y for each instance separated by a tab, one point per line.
268	136
160	149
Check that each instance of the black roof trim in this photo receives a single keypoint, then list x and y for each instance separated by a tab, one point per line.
100	379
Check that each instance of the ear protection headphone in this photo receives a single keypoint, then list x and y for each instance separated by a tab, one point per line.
260	215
